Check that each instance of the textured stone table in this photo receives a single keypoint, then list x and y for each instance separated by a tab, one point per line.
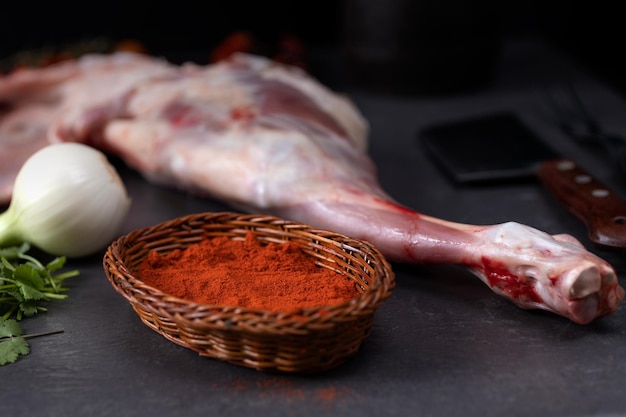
442	345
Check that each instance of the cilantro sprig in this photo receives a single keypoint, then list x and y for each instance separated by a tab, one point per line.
26	284
12	343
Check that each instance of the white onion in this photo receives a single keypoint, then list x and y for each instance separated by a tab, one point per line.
68	200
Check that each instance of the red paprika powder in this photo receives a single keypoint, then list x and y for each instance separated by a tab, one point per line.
248	273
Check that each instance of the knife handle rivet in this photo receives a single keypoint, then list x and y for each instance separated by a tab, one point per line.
600	192
582	179
565	165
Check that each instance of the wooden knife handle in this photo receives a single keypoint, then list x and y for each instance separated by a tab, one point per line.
602	210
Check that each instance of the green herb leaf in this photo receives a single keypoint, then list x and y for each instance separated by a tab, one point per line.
56	263
29	308
25	285
12	344
9	328
29	282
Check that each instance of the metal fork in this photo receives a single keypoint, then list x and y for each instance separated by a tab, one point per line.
577	122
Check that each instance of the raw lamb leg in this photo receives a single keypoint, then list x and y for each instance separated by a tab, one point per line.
267	138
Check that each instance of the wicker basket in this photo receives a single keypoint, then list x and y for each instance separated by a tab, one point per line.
303	341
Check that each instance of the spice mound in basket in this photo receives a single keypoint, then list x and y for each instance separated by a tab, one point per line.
204	281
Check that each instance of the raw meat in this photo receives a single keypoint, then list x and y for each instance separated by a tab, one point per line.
268	138
33	102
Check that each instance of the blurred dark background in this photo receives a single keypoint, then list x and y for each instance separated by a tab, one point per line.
590	32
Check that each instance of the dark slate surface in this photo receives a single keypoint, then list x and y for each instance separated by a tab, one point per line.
442	345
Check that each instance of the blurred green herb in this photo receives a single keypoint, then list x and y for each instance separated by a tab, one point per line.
26	284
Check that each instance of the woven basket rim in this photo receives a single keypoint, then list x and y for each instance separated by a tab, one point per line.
301	317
